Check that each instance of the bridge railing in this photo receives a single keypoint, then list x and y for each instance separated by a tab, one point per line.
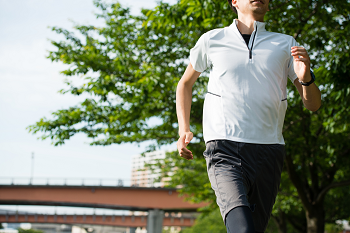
131	220
46	181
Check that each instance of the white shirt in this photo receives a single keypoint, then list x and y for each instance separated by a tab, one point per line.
246	99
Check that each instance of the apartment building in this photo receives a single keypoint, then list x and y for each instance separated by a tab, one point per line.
142	176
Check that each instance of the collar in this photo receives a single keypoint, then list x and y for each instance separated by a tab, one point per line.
257	25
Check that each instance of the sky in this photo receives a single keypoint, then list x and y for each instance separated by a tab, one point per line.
29	85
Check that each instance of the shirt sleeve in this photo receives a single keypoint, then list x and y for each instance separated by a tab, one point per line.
199	54
291	73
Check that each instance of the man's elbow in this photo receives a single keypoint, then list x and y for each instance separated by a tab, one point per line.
183	85
180	86
314	107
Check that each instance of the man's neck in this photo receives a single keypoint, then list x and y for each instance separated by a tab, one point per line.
246	24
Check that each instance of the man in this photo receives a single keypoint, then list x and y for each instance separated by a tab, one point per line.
244	110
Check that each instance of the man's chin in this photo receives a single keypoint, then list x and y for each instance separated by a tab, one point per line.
259	10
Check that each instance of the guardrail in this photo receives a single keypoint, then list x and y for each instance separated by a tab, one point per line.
65	181
169	219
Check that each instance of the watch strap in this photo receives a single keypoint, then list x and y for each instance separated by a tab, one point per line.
310	82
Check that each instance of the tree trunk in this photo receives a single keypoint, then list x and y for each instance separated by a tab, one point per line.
281	222
315	219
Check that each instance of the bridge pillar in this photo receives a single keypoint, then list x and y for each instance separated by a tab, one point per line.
155	221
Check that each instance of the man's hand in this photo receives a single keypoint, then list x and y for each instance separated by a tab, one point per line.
301	63
183	141
310	95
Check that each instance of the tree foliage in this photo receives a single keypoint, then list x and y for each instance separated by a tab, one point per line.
208	223
21	230
130	74
131	67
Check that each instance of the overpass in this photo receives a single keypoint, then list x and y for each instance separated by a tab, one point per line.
153	200
111	197
108	220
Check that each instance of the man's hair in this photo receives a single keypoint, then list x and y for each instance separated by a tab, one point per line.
232	7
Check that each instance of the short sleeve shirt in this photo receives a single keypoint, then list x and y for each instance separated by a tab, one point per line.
246	99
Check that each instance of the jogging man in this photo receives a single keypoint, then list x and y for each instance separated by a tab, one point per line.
244	110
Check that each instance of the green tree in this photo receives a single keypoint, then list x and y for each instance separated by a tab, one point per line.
21	230
211	222
131	67
333	228
208	223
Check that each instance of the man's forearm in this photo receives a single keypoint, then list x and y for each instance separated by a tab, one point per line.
183	106
184	98
311	97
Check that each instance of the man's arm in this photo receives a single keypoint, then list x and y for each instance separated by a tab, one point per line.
310	95
183	109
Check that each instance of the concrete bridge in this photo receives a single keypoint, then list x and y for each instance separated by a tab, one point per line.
153	200
131	221
111	197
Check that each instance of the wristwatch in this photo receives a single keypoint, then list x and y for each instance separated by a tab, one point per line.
312	79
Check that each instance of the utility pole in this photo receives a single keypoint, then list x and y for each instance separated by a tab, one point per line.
32	171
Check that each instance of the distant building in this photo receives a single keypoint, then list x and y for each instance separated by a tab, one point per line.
142	176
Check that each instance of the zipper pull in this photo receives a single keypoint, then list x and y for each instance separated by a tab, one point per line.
250	54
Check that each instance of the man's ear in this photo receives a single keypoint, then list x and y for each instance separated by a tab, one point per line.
234	3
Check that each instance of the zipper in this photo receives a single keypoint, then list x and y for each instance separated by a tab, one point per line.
251	47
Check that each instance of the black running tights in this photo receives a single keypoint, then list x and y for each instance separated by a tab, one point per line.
240	220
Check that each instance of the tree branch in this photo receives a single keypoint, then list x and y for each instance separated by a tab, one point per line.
320	130
280	221
286	127
329	187
314	177
297	183
306	20
279	6
347	151
297	224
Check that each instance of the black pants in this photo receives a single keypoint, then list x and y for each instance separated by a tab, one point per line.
245	174
240	220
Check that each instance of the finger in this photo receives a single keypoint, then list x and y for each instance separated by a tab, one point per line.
300	54
299	51
184	149
185	153
298	48
186	156
305	60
